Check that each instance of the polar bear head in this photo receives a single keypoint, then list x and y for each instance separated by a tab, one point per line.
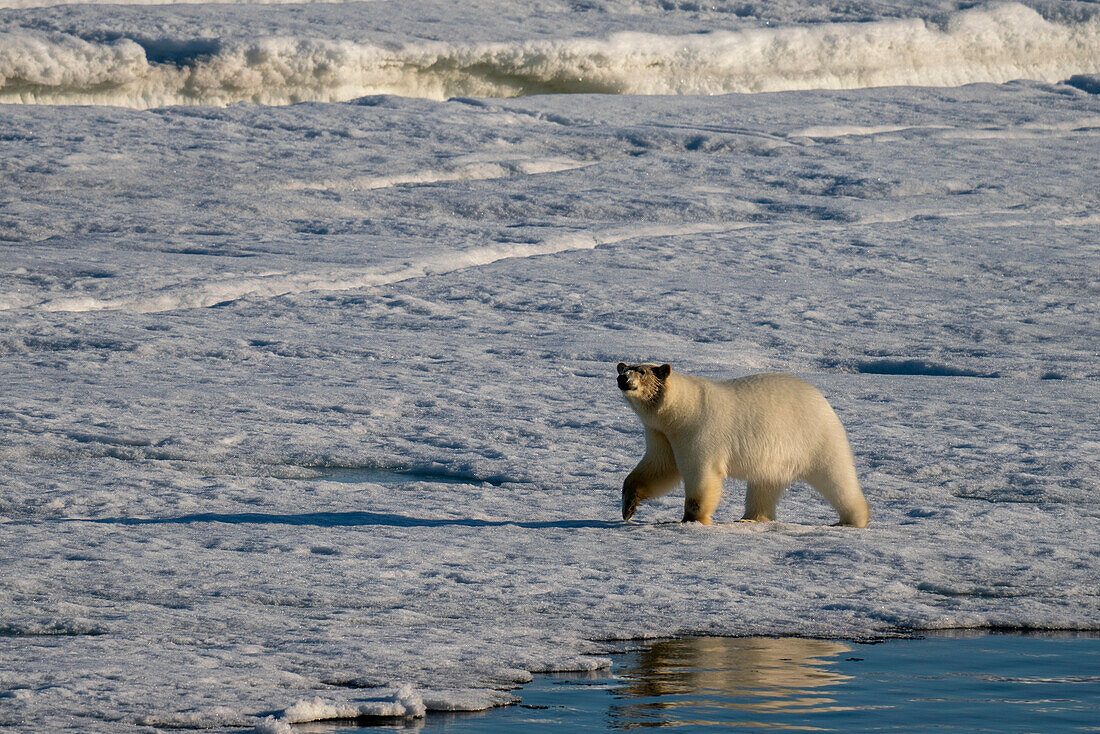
643	384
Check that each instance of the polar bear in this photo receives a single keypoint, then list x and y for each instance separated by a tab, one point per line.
768	429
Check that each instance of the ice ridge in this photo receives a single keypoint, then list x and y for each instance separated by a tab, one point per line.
989	43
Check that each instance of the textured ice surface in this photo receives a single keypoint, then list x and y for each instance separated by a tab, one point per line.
211	317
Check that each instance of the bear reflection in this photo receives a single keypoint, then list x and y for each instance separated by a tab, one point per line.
677	681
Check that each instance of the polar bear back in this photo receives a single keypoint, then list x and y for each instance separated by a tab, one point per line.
771	428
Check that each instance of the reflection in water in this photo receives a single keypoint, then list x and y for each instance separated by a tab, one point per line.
728	682
970	684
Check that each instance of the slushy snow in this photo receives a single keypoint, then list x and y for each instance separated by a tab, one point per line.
310	411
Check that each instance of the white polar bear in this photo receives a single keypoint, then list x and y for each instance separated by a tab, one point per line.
768	429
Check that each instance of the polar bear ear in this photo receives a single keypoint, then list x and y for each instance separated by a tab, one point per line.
663	371
621	367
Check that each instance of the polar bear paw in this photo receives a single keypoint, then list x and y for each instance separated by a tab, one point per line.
630	502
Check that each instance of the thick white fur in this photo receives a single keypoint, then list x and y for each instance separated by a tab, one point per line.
767	429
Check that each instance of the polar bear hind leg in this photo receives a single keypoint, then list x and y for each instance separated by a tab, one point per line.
838	484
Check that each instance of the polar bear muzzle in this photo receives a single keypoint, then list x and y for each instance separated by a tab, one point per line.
644	382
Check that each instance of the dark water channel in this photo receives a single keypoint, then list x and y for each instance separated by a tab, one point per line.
944	683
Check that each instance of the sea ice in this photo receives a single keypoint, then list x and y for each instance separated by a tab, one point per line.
212	315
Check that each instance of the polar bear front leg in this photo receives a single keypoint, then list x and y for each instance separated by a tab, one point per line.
760	501
655	475
701	495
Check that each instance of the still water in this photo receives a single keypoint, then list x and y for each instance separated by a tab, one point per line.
957	683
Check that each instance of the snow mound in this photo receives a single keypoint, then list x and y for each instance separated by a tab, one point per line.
398	702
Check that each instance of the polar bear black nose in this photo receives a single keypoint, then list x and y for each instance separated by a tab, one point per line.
624	382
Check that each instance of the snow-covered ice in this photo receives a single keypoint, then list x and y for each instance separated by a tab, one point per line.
310	410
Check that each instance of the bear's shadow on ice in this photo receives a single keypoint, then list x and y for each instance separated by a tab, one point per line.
353	519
